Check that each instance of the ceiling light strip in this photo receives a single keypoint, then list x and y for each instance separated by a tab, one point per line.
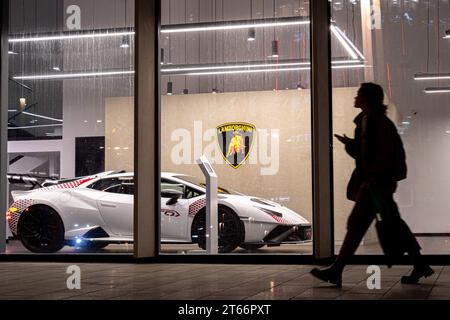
262	23
190	71
236	66
72	36
212	26
353	66
344	43
348	41
73	75
233	25
437	90
186	68
245	71
431	76
42	117
264	70
33	127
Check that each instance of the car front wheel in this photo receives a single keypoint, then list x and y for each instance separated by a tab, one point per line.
231	230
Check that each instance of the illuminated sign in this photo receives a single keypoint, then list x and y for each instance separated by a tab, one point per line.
236	142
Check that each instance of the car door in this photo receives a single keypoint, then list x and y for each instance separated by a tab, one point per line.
174	216
116	208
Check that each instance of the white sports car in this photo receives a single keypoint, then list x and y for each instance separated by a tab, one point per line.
98	210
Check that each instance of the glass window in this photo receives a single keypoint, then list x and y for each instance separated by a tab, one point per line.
192	193
103	184
121	187
127	187
168	185
402	46
70	118
240	95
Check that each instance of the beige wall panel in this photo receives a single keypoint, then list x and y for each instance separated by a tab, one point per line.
119	134
285	111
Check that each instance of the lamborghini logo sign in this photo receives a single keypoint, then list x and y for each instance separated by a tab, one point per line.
236	142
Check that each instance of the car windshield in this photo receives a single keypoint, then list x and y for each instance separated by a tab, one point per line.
202	184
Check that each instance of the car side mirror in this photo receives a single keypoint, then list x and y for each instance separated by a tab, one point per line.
172	194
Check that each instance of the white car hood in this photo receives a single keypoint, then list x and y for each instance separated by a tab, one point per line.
288	215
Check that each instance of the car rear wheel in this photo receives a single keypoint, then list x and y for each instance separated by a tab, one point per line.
231	230
41	230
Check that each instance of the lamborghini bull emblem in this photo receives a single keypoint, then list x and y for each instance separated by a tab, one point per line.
236	142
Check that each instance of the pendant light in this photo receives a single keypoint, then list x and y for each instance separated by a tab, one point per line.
125	38
275	44
251	34
170	83
275	50
169	88
251	31
10	45
11	49
447	34
125	42
185	90
22	99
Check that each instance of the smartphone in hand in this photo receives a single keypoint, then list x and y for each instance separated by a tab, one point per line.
344	139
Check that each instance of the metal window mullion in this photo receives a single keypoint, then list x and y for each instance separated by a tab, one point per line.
321	113
4	123
146	122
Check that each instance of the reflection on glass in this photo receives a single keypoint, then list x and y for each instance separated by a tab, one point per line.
229	78
403	43
71	86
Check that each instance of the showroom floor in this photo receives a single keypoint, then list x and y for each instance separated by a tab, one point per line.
430	245
200	281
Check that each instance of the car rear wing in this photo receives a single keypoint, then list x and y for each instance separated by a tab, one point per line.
24	179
